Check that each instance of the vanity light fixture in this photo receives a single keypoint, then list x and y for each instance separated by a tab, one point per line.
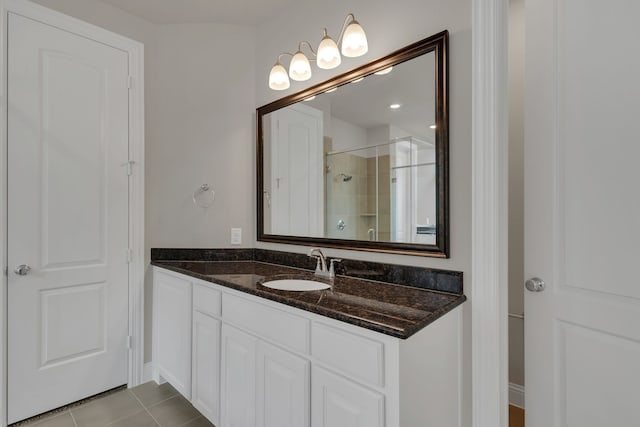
432	127
358	80
332	90
353	42
311	98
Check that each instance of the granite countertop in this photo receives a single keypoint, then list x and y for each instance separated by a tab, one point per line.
391	309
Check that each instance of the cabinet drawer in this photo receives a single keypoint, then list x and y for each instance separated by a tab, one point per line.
278	326
354	355
206	299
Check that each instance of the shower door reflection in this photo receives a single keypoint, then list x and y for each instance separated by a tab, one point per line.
384	192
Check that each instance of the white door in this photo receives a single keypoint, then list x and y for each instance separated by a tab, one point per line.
282	388
238	378
172	330
205	369
67	217
339	402
297	175
582	213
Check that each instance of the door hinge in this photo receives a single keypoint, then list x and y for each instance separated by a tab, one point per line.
129	342
130	82
129	256
129	166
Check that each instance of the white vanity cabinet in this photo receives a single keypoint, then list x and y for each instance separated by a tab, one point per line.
172	329
258	363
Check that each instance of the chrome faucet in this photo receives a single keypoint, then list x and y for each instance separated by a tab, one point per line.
321	264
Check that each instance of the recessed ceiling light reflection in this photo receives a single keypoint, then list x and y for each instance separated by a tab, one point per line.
383	72
332	90
311	98
358	80
395	106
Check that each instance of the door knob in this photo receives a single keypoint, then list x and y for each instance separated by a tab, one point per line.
535	284
22	270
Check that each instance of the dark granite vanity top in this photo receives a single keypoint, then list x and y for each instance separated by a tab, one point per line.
392	309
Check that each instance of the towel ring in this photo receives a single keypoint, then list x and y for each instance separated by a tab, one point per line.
204	196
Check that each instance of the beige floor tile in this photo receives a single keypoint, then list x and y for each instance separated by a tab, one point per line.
174	412
106	410
141	419
151	393
198	422
62	419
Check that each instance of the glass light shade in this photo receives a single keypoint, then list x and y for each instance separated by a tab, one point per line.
328	54
354	41
384	71
299	69
278	78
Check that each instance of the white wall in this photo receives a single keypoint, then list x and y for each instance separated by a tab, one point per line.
201	112
390	26
516	190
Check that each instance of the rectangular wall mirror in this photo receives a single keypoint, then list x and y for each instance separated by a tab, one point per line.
361	161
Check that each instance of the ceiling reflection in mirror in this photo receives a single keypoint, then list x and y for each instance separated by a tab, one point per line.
360	164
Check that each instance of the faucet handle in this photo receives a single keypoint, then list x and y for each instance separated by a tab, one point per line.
332	270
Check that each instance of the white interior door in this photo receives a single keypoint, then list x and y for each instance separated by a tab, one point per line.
297	174
582	213
67	217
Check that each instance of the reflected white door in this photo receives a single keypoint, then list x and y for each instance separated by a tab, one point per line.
297	176
582	213
67	217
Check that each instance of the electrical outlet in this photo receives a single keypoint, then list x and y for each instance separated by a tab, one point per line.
236	236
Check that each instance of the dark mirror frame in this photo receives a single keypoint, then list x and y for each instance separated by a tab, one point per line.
439	44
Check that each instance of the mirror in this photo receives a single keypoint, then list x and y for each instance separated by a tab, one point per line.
361	161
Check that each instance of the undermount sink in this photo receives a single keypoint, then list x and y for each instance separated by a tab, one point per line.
296	285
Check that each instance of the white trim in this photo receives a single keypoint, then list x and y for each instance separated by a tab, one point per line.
147	374
489	214
516	395
135	51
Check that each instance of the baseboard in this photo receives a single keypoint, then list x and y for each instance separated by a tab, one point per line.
147	372
516	395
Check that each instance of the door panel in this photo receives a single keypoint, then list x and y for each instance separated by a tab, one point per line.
337	401
73	144
173	316
67	217
64	339
238	378
582	213
205	394
283	383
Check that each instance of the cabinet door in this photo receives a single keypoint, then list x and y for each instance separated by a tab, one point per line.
282	388
205	379
339	402
238	375
172	331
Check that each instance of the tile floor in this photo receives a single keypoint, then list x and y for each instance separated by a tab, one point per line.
148	405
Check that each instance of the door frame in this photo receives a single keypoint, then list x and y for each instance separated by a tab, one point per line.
135	51
490	169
